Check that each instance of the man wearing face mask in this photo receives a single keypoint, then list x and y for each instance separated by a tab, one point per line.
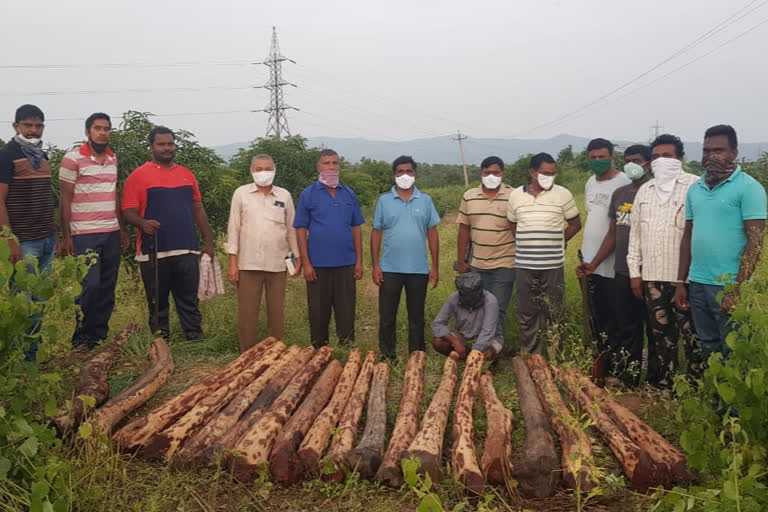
598	192
725	214
91	221
260	235
625	357
652	259
475	313
405	220
538	211
482	221
328	220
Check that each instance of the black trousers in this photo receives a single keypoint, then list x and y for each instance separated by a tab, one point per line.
389	301
603	291
97	297
334	290
625	356
179	275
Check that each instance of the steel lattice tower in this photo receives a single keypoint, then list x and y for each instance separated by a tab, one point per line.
277	125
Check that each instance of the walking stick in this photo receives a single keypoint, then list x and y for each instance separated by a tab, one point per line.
588	329
155	303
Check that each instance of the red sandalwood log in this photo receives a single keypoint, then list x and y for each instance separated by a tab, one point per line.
497	452
463	457
365	458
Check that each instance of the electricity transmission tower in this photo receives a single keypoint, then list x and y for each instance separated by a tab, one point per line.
277	125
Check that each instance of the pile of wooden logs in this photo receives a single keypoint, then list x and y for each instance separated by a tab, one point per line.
301	414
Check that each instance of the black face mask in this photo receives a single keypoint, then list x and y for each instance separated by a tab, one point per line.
470	288
99	148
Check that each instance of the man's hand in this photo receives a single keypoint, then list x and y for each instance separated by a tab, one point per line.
434	277
584	269
309	272
730	300
150	226
377	275
233	275
66	247
464	267
358	271
15	254
457	345
125	240
681	297
298	267
208	248
636	283
489	354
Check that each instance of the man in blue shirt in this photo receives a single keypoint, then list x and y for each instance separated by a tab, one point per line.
406	220
725	214
327	223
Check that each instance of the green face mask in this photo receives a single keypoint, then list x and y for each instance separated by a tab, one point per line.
599	167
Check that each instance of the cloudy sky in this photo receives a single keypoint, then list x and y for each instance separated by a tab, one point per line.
393	70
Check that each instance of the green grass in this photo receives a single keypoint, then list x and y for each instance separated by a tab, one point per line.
115	482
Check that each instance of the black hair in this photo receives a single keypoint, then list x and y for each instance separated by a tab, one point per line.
539	159
491	160
327	152
600	144
29	112
666	138
403	159
723	129
639	149
93	117
160	130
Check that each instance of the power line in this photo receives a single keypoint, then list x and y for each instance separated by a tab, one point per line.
173	114
277	124
126	65
122	91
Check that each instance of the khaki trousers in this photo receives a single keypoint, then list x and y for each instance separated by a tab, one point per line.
249	291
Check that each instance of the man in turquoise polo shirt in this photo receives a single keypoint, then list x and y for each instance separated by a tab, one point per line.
725	214
405	220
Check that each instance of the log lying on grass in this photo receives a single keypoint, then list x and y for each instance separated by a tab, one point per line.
344	439
284	464
463	457
497	453
256	444
194	449
427	446
407	422
366	456
636	462
160	369
576	447
313	444
669	460
537	470
266	398
136	433
165	444
93	381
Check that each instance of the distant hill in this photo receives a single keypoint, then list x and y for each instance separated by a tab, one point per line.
444	150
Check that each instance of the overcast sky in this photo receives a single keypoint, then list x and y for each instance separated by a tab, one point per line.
392	69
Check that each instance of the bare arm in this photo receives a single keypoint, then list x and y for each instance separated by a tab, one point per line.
376	274
357	238
65	214
433	240
5	223
309	271
461	247
755	230
573	227
201	219
685	253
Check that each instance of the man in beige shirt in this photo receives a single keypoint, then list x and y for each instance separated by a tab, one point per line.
259	236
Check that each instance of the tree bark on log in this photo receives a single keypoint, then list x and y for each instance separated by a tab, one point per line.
93	381
160	369
256	444
463	457
314	442
135	434
195	448
670	461
164	445
427	446
344	439
366	456
577	454
274	387
497	452
284	463
407	422
537	470
636	462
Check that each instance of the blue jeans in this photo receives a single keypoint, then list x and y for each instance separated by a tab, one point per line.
710	323
43	250
498	281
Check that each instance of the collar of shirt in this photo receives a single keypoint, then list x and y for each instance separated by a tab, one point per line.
702	182
395	195
255	188
319	185
85	150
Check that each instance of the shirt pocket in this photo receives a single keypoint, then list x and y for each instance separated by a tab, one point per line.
643	208
275	214
680	217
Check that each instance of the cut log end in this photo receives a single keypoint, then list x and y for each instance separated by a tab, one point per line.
365	461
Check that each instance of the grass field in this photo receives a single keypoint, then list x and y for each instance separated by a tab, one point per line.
106	481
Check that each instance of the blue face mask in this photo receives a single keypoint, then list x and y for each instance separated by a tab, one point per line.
634	171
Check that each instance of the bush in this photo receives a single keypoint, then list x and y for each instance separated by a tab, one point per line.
447	199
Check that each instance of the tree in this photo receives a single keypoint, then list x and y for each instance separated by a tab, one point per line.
565	156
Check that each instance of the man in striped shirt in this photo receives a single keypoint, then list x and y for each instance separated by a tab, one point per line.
90	221
538	212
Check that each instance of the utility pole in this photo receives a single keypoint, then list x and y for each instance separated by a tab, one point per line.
459	137
656	129
277	124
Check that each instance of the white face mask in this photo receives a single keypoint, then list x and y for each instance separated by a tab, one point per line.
545	181
263	178
405	181
491	182
33	141
665	173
